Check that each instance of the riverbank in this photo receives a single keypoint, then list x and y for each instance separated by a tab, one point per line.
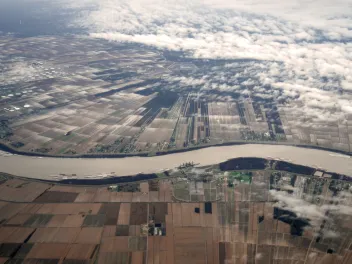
48	167
8	148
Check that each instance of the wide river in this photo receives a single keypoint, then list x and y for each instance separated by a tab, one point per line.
47	168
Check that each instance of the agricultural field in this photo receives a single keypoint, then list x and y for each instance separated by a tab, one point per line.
213	214
94	97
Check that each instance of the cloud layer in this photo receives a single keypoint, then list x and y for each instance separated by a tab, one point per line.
305	46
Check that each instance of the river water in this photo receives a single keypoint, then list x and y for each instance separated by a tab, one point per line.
48	168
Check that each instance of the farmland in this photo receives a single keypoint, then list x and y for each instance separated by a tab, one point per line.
212	214
101	98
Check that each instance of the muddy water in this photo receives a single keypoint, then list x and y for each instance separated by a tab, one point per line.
47	168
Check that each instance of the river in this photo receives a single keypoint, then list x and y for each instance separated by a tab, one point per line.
48	168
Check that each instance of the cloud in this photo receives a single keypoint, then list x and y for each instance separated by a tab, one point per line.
347	85
19	71
258	256
300	48
297	205
331	234
334	208
318	13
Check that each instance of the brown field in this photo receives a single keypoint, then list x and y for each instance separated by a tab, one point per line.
163	123
58	146
138	213
134	230
157	249
53	133
81	251
138	197
165	192
177	214
66	188
189	217
84	208
10	210
94	220
109	231
31	208
73	221
49	251
138	258
154	196
90	129
14	234
144	186
158	211
127	197
124	214
114	244
56	197
155	135
102	195
57	221
85	197
117	232
111	211
114	258
116	197
54	235
122	230
137	243
2	204
189	245
38	220
22	192
66	235
18	220
89	235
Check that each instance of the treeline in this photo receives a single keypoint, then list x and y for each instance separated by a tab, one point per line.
243	164
110	181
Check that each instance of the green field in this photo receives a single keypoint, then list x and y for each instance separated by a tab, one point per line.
240	176
161	175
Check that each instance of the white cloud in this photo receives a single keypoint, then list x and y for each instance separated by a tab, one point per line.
303	48
318	13
298	206
331	234
258	256
304	208
19	71
347	85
